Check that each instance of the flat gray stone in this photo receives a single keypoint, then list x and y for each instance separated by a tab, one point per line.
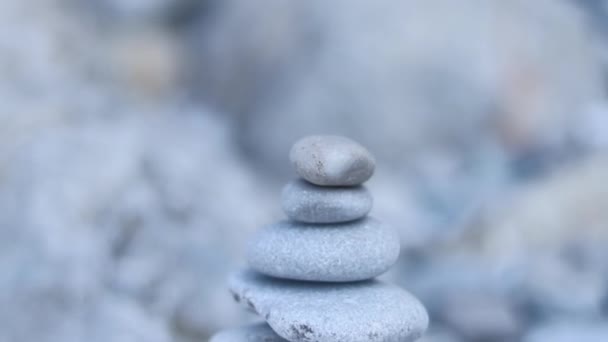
341	252
259	332
364	311
306	202
330	160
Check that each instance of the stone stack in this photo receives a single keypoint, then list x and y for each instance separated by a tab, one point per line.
311	277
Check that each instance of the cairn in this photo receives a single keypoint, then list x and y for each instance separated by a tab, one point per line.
311	277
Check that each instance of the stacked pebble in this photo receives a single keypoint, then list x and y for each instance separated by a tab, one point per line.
311	276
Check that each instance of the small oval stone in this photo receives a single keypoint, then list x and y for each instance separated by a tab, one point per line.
306	202
343	252
331	160
366	311
259	332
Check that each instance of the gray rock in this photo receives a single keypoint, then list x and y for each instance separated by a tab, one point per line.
331	160
363	311
306	202
259	332
350	251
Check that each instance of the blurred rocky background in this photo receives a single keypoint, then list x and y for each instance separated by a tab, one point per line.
141	141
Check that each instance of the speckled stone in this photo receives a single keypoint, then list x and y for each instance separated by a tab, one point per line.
339	252
330	160
306	202
259	332
366	311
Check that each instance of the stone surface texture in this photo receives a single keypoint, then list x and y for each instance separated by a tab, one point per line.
330	160
366	311
306	202
341	252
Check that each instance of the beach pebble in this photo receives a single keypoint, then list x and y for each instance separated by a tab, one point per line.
330	160
305	202
341	252
364	311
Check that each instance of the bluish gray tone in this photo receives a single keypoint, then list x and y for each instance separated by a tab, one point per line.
574	330
491	155
439	335
364	311
306	202
350	251
331	160
259	332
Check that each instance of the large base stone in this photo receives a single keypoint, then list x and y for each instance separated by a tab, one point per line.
364	311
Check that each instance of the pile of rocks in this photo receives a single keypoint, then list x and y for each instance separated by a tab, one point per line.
311	276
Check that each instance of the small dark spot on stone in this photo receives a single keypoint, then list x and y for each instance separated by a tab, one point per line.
302	332
236	297
250	305
373	336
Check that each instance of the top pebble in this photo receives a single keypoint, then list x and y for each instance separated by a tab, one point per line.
330	160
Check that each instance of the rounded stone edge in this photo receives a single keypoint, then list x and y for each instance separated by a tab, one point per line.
253	287
263	268
326	180
297	213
